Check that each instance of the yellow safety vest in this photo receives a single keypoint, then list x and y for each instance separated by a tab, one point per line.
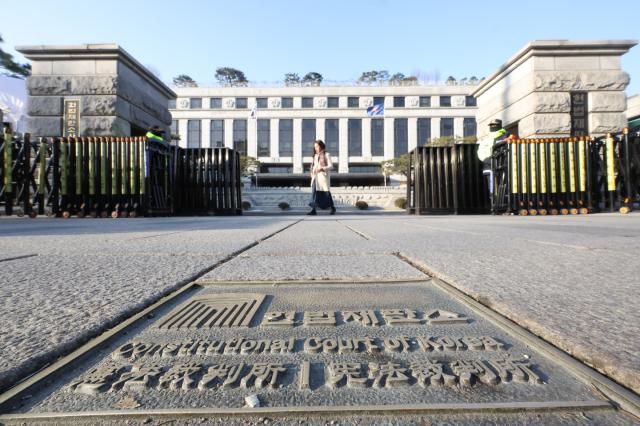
154	137
485	145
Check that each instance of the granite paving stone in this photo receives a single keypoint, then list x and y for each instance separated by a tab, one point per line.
571	280
89	274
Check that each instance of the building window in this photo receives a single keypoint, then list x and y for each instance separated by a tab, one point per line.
193	134
174	127
264	138
261	102
470	101
469	127
355	137
424	131
308	136
240	136
446	127
217	133
287	102
353	102
377	137
425	101
378	100
307	102
195	103
445	101
400	137
398	101
286	137
241	103
331	135
172	104
215	103
332	102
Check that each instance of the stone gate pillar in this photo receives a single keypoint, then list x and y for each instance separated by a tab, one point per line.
112	94
556	88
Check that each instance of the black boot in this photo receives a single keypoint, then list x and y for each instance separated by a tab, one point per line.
333	210
312	212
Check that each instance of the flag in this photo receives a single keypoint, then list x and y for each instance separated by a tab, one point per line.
376	110
254	112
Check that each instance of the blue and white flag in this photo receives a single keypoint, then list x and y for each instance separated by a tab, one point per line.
254	112
376	110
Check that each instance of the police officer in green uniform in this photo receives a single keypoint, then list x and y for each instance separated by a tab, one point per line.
155	133
496	134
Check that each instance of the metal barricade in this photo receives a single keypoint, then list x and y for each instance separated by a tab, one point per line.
207	181
446	180
88	176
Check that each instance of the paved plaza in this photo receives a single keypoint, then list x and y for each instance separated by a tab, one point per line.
573	280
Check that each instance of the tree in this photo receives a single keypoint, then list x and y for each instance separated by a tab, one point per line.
383	75
451	81
396	166
184	80
231	77
312	79
291	79
368	77
397	78
248	165
11	68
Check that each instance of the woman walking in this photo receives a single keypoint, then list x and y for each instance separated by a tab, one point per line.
320	180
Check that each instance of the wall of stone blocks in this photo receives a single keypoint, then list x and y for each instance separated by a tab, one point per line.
535	94
115	98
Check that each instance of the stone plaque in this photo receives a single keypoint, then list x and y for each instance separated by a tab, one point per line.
305	347
71	118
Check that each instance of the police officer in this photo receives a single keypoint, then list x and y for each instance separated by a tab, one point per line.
496	134
155	133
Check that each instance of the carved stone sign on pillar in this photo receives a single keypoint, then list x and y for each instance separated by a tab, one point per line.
579	115
71	118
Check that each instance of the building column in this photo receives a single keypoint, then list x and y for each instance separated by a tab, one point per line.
435	127
458	127
343	138
205	133
275	140
228	133
252	137
412	129
388	138
183	131
320	129
366	139
297	145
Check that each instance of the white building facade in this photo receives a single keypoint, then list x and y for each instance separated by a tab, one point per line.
289	119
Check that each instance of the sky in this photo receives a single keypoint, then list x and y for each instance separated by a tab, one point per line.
339	39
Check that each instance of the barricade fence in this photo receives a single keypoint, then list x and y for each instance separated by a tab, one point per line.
100	177
209	181
575	175
446	180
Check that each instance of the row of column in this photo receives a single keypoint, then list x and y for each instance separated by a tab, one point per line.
342	157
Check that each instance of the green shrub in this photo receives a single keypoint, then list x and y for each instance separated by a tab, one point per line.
246	205
362	205
283	205
401	203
